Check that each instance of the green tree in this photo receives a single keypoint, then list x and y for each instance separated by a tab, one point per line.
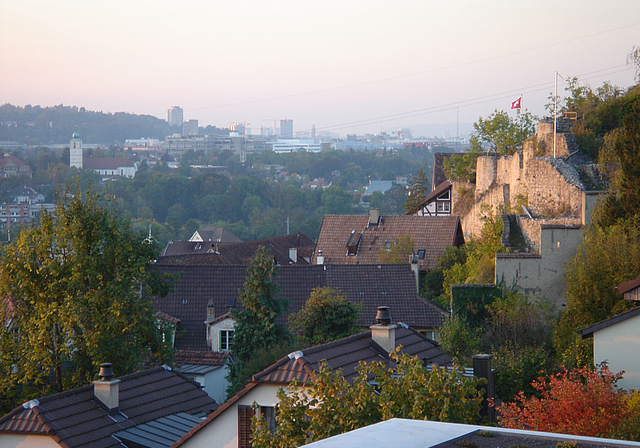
331	405
418	188
326	316
73	287
398	252
336	201
607	257
256	329
500	134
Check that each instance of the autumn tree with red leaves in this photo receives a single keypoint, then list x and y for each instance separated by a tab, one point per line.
583	402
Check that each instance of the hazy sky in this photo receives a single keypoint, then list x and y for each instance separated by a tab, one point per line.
345	66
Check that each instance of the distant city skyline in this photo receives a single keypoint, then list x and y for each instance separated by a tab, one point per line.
342	66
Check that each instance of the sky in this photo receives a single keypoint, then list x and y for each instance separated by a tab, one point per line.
344	66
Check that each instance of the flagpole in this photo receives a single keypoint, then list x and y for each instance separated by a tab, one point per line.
555	113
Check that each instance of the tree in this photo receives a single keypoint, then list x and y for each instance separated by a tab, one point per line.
399	252
256	330
331	405
326	316
418	188
500	134
583	402
73	287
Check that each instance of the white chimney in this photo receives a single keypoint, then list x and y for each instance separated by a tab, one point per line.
293	254
320	258
415	267
106	389
383	333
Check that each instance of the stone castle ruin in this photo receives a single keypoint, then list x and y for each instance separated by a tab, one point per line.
544	201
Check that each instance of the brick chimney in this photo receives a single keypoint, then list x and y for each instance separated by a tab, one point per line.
383	333
107	389
211	310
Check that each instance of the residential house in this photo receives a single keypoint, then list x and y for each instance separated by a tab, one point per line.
214	235
12	166
153	408
230	425
616	340
24	194
285	249
427	434
359	239
438	202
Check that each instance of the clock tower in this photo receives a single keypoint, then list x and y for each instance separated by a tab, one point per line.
75	151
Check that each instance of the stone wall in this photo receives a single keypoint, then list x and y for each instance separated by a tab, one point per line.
554	188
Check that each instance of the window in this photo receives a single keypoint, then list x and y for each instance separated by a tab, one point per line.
445	196
444	207
269	414
421	254
226	336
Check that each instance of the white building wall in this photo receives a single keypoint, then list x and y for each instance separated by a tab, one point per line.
214	332
26	441
222	432
619	345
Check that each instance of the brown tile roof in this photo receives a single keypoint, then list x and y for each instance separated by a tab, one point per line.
346	354
75	419
628	286
106	163
165	316
200	357
370	285
441	188
190	252
433	234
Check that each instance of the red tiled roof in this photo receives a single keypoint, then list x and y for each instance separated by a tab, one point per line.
433	234
369	285
76	419
168	318
200	357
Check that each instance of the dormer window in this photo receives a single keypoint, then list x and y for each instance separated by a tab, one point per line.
353	242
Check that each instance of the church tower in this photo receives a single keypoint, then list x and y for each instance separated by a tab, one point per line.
75	151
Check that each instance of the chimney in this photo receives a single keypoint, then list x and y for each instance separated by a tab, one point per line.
415	267
107	389
211	310
374	216
320	258
293	254
383	333
482	369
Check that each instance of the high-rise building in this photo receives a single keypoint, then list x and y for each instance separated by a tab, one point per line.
175	116
75	151
190	127
286	128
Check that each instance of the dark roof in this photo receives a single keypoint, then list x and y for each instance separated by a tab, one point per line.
346	354
588	331
370	285
441	188
107	163
433	234
75	418
215	235
159	433
200	357
192	252
628	286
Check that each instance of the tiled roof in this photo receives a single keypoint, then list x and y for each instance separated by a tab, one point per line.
370	285
76	419
107	163
441	188
346	354
191	252
200	357
628	286
165	316
433	234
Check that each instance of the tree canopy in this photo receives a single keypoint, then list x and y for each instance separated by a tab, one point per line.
73	296
501	134
331	405
256	330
